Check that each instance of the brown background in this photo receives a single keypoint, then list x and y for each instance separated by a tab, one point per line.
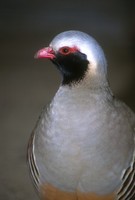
26	85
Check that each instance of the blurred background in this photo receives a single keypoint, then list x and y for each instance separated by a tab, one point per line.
26	84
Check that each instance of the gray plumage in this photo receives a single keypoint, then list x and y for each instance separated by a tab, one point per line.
85	139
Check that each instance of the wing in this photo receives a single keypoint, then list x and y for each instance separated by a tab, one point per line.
32	163
34	172
127	189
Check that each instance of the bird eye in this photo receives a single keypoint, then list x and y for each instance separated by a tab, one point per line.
65	50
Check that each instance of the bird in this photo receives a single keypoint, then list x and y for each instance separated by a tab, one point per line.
83	145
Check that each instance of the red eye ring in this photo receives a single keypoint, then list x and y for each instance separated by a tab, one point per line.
67	50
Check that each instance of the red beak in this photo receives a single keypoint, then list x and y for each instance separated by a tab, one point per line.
46	52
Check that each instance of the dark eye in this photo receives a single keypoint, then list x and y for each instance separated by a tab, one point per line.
65	50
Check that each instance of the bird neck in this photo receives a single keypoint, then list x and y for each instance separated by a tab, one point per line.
84	93
90	83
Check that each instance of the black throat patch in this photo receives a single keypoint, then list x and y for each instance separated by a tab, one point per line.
72	66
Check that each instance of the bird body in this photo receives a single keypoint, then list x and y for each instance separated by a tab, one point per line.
82	147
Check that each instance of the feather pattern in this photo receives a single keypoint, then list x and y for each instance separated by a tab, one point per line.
127	189
125	192
32	163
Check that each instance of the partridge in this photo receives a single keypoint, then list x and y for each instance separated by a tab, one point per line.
83	145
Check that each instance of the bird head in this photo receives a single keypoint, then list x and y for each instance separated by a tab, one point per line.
78	57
